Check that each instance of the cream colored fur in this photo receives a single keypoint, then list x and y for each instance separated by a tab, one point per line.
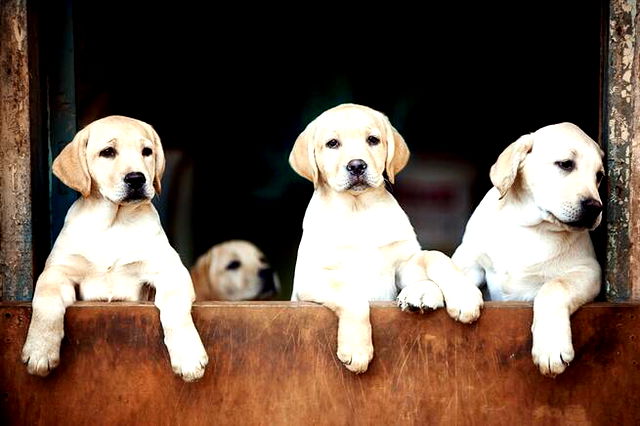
357	244
522	239
234	270
112	244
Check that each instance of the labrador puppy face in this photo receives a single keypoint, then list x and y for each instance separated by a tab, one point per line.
351	150
121	162
348	148
561	168
119	158
234	270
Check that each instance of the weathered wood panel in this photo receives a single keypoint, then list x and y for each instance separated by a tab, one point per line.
634	183
16	257
274	363
621	138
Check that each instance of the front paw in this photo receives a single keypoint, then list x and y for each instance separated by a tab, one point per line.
355	357
552	349
419	296
464	303
188	359
41	355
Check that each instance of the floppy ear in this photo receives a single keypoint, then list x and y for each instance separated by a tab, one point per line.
303	156
397	151
200	277
158	156
503	173
70	166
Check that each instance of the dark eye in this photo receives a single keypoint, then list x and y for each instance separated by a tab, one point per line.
234	264
599	177
108	153
147	152
333	144
372	140
263	259
566	165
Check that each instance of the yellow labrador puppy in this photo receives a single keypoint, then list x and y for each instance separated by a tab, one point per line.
112	244
234	270
529	237
357	243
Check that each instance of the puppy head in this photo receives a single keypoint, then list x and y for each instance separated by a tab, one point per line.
234	270
348	148
116	157
560	168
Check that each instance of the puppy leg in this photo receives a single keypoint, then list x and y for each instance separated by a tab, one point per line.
54	292
465	259
462	299
557	299
355	345
418	292
174	296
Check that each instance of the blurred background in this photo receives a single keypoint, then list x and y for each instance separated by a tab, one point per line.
229	89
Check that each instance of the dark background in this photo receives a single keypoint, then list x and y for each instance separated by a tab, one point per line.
230	89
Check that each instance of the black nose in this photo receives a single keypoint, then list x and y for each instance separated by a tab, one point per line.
265	273
356	167
135	180
591	206
268	284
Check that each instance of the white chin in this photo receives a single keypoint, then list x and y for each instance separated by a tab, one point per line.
347	185
114	198
359	187
126	199
565	223
547	216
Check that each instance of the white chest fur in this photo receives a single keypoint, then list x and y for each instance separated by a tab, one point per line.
518	258
358	249
110	248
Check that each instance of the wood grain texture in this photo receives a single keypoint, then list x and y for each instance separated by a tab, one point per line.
274	363
16	261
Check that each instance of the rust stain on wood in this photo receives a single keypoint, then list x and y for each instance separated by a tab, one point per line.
16	275
274	363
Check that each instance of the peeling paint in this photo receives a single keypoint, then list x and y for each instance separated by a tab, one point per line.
620	108
634	182
19	35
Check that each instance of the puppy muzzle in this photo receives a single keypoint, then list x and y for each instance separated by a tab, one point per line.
589	217
358	178
135	187
269	281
